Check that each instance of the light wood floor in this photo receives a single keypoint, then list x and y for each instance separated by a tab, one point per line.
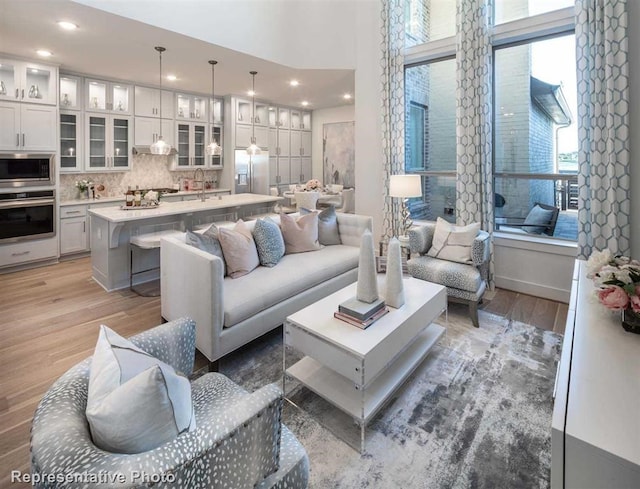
49	320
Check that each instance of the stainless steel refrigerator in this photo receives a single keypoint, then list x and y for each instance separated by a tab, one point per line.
251	172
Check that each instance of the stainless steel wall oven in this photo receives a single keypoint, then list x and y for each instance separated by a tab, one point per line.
26	170
27	215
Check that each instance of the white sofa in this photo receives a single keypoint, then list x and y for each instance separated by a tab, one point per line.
231	312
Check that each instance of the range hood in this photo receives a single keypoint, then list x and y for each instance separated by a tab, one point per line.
146	150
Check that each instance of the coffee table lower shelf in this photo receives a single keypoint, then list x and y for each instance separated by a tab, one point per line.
363	403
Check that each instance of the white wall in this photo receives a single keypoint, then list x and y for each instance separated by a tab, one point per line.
344	113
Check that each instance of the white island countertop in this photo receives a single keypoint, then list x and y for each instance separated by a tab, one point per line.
121	199
117	215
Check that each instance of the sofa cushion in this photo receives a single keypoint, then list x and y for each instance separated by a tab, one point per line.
301	234
135	402
269	242
327	225
239	248
207	241
452	242
265	287
447	273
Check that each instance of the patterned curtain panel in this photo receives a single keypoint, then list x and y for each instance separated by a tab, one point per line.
393	105
474	185
603	127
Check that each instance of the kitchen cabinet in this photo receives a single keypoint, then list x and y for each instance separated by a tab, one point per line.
305	146
300	170
216	110
106	96
70	92
26	127
243	136
28	82
74	232
109	140
191	107
305	122
295	120
191	141
215	162
147	103
25	252
279	171
147	131
71	130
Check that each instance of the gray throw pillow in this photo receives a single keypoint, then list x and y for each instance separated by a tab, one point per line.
269	242
327	226
207	241
537	220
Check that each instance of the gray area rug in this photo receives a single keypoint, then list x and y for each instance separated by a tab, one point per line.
475	414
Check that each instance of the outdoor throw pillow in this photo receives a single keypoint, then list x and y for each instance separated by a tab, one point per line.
207	241
135	402
239	249
327	225
537	220
269	242
300	234
452	242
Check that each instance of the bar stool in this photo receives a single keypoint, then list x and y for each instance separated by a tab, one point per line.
146	241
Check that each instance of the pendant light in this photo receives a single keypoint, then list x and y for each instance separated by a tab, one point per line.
213	148
160	147
253	148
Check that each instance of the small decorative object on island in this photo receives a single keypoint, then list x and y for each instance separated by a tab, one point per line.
83	186
617	282
394	289
367	289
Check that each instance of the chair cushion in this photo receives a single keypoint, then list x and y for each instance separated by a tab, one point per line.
265	287
300	234
269	242
327	226
207	241
447	273
537	220
135	402
452	242
239	249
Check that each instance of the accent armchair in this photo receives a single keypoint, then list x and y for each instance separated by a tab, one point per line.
239	441
465	283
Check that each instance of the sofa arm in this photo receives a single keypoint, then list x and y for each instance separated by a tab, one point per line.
174	343
480	249
192	285
351	227
421	237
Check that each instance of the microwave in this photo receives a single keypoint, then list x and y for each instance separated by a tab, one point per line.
26	170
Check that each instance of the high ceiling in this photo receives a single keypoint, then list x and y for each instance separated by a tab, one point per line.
107	45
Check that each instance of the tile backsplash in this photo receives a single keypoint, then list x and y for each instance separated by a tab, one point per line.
147	171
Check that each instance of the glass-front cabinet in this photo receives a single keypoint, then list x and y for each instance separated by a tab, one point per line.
108	142
104	96
215	161
305	121
296	120
70	141
70	92
191	107
25	81
191	143
216	110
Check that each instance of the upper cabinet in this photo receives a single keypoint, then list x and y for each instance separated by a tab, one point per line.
305	121
27	127
216	110
105	96
192	107
147	103
24	81
70	92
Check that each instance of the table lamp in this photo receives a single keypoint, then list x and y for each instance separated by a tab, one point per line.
403	187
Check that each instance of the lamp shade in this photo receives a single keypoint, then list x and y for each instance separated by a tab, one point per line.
405	186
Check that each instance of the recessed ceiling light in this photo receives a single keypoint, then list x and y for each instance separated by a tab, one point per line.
347	96
271	109
67	26
305	103
251	93
44	53
172	77
294	83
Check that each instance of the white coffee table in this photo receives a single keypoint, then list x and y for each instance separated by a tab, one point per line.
358	370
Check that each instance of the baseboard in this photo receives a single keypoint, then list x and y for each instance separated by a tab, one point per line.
537	290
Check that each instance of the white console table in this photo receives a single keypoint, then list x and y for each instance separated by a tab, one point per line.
596	418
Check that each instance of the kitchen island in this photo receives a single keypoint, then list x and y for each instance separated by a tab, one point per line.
112	228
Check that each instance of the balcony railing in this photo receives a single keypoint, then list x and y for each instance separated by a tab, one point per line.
565	188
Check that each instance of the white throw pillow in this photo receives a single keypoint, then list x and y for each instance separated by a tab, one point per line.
135	402
452	242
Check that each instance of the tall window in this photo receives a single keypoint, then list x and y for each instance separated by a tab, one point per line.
430	137
535	138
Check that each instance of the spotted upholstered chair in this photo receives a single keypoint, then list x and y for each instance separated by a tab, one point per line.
465	283
239	440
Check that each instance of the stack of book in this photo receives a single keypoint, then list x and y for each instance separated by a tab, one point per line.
361	314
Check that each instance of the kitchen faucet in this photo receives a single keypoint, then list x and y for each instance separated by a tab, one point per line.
195	179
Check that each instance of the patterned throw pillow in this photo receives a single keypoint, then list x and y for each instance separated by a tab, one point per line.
269	242
328	233
135	402
207	241
239	249
453	243
300	234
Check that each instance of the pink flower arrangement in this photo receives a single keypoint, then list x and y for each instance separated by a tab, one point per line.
617	280
313	184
